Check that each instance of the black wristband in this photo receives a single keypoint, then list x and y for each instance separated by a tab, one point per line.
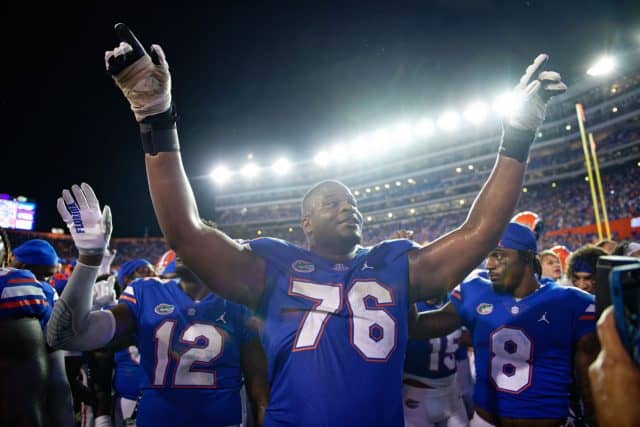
515	143
159	133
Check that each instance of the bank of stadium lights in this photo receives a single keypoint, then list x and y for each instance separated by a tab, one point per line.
339	152
470	167
387	186
250	170
398	183
281	166
554	184
567	127
614	110
506	103
367	190
369	218
476	112
449	121
423	128
458	170
220	174
290	229
377	187
322	158
412	211
390	215
602	67
356	193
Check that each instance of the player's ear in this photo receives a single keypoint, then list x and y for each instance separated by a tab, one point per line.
306	224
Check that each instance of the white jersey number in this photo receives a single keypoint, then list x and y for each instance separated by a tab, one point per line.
511	359
187	373
373	332
448	355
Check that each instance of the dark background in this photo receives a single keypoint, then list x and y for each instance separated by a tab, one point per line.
262	78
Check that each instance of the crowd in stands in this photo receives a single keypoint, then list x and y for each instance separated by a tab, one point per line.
430	186
566	206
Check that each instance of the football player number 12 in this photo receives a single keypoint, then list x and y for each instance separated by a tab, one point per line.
186	373
372	329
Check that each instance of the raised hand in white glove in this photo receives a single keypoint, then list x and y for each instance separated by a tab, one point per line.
144	79
90	228
107	260
533	92
104	294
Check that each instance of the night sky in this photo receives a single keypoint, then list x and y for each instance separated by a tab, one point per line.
260	78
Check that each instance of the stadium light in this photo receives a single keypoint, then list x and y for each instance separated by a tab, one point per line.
359	147
322	158
250	170
281	166
476	112
423	128
506	103
602	66
449	120
220	174
340	153
402	133
376	142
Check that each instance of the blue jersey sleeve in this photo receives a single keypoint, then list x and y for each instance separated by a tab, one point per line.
584	311
21	295
132	297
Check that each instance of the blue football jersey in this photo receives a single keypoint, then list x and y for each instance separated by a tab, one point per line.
190	355
435	357
335	334
22	295
128	374
524	347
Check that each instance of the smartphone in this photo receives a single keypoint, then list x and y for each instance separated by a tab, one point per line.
603	270
625	296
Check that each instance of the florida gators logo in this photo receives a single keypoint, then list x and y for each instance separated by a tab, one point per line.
302	266
164	309
484	308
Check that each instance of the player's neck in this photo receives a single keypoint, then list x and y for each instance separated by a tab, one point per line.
333	254
528	286
195	291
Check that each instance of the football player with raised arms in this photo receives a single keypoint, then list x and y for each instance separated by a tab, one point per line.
194	346
336	311
531	339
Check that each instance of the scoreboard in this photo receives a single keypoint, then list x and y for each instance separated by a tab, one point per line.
16	214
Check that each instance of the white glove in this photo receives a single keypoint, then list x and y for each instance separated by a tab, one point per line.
144	80
90	229
104	294
107	260
535	89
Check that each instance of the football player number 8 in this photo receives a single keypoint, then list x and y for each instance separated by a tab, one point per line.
511	359
372	329
198	355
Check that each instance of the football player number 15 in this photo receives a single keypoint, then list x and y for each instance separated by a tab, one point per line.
372	329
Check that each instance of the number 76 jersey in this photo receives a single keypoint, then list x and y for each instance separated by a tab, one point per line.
524	348
334	334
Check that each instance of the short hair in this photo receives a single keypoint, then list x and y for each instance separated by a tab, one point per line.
588	254
600	243
304	206
549	252
621	248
